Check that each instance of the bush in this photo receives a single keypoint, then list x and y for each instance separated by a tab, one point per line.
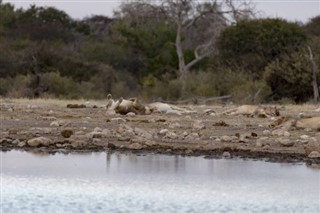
291	77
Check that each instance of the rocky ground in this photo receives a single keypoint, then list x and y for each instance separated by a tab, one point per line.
49	126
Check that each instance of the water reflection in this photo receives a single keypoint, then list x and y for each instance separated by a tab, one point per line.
115	182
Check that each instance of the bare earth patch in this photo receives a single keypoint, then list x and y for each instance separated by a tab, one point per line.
49	126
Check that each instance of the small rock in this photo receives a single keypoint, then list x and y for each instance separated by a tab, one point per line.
118	119
136	146
279	132
285	142
21	144
226	154
304	137
174	125
188	152
163	131
5	140
39	141
198	125
97	129
16	141
314	154
259	143
131	114
226	138
266	132
54	124
286	134
192	137
171	135
66	133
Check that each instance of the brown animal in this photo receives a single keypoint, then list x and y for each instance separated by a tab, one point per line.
251	111
123	106
307	123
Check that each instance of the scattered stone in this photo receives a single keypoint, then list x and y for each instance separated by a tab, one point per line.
163	131
188	152
226	154
226	138
136	146
259	143
285	142
118	119
198	125
21	144
66	133
253	134
79	144
286	134
76	106
39	141
97	129
16	141
131	114
192	137
174	125
266	132
54	124
280	132
220	123
5	140
171	135
314	154
304	137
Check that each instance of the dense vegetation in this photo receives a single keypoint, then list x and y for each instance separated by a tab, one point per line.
46	53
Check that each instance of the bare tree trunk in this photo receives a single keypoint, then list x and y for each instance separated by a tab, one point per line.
314	77
182	65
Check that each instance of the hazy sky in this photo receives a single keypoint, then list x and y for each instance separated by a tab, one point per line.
293	10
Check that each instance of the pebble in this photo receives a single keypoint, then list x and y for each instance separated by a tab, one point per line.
314	154
66	133
226	138
285	142
226	154
39	141
266	132
54	124
304	137
198	125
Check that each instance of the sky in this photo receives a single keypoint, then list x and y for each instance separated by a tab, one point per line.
292	10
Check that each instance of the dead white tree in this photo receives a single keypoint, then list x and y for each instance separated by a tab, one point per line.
206	19
314	76
198	24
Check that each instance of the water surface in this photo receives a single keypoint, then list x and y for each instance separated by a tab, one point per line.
105	182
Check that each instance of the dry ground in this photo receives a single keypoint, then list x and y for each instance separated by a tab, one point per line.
194	134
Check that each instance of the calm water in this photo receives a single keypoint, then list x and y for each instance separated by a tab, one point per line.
102	182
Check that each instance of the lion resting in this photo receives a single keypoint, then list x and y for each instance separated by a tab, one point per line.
307	123
159	107
123	106
300	123
251	111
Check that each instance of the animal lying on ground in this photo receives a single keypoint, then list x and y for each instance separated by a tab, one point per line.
123	106
159	107
308	123
251	111
300	123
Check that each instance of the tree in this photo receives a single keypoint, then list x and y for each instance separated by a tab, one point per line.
196	21
251	44
291	77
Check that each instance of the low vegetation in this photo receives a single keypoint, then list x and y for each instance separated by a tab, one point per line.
149	51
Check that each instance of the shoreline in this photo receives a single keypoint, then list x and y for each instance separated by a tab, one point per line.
49	126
